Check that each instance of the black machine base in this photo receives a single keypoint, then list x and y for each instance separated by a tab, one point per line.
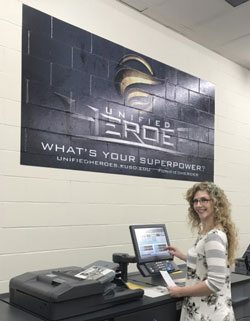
65	296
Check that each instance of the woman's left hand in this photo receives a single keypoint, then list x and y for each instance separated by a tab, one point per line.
175	291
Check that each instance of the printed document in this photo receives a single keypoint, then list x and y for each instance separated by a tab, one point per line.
167	278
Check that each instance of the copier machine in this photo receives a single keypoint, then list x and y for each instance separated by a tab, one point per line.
65	292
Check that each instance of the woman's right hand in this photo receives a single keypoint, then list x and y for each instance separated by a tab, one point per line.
176	252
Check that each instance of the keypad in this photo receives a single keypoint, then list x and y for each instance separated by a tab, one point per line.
156	267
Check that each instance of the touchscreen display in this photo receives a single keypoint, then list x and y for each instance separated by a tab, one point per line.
151	242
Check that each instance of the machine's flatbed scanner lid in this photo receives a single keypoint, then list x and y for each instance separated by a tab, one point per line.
57	285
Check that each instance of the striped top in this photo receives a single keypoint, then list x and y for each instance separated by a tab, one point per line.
207	261
211	251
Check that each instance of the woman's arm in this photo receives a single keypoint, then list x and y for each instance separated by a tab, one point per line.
200	289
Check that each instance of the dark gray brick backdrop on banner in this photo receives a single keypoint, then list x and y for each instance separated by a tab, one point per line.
90	104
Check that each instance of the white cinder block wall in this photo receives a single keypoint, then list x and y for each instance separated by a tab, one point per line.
54	217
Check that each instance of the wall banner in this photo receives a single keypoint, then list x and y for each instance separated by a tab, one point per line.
90	104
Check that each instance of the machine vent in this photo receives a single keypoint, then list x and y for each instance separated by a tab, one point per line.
236	3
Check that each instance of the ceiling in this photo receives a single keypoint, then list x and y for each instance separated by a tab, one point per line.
215	24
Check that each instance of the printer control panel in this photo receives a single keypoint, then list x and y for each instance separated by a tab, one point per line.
156	267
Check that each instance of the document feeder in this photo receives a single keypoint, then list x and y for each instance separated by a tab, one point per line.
66	292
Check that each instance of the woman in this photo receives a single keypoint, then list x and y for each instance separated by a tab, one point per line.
207	293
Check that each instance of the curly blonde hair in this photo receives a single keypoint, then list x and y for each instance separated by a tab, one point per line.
222	213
